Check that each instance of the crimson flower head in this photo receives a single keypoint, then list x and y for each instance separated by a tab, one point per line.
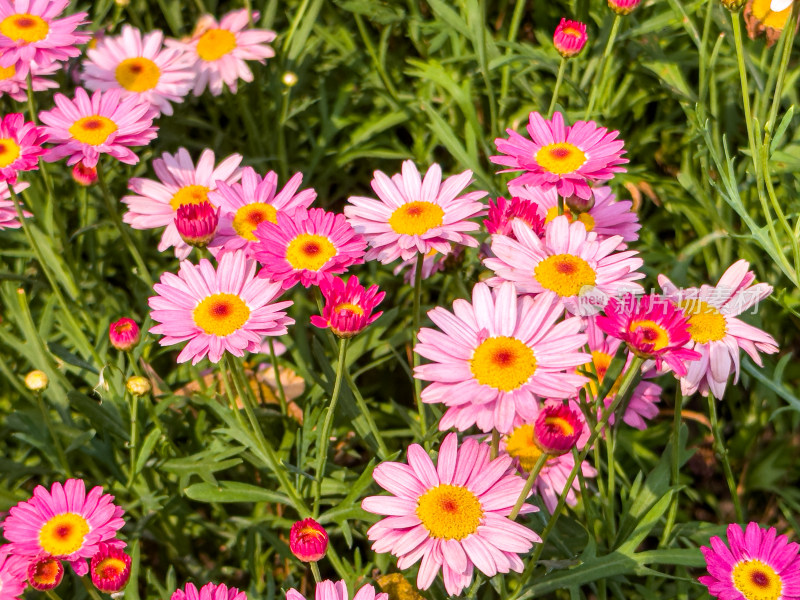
348	307
308	540
45	573
110	569
20	146
653	327
124	334
570	37
84	175
503	212
197	223
623	7
557	429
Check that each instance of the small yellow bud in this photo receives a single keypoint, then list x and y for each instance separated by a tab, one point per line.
289	79
138	385
36	381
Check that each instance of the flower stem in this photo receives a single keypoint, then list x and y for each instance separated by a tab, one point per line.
528	485
676	457
495	448
279	384
722	452
62	457
561	68
600	77
323	441
315	570
383	451
132	447
415	333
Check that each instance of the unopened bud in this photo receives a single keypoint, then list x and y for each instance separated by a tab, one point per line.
36	381
138	386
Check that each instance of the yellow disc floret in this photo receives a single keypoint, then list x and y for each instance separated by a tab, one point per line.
189	194
416	218
652	333
25	28
449	512
248	217
706	323
756	580
521	444
63	534
584	217
221	314
564	274
9	151
560	158
215	43
93	130
309	251
138	74
504	363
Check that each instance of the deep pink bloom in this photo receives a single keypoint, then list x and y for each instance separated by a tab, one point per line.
329	590
65	523
653	327
503	212
20	146
110	569
623	7
124	334
45	573
210	591
305	245
567	157
15	84
308	540
453	516
557	429
348	307
85	128
570	37
197	223
84	175
30	32
13	570
759	565
9	219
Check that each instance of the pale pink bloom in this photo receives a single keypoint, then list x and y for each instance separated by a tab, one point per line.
179	182
66	523
329	590
495	357
566	157
305	246
140	67
567	263
244	205
716	332
453	516
210	591
227	309
30	32
414	215
85	128
13	571
221	49
9	219
15	84
20	146
606	218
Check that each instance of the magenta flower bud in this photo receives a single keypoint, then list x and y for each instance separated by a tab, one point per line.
84	175
348	307
570	37
45	573
557	429
308	540
124	334
197	223
623	7
110	569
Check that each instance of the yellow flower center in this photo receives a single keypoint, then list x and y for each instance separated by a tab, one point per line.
63	534
249	216
776	20
415	218
706	323
565	427
25	28
45	572
451	512
560	158
7	72
652	333
215	43
564	274
521	444
189	194
110	567
504	363
9	151
93	130
221	314
585	217
571	31
353	308
309	251
137	74
756	580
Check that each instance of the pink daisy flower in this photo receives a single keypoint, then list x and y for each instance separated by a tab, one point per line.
110	569
758	565
646	395
348	307
566	157
329	590
567	264
305	245
179	183
8	213
140	67
414	215
653	327
244	205
30	32
20	146
13	571
503	212
496	356
453	516
715	331
15	84
65	523
210	591
606	218
85	128
227	309
221	49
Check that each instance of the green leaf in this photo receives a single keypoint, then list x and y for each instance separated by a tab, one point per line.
233	491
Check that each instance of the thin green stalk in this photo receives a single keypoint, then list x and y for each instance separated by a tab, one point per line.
703	84
560	205
722	452
495	447
325	435
528	485
383	451
676	457
387	82
62	457
415	332
787	51
513	29
561	68
133	445
748	116
610	503
111	206
315	571
599	79
90	589
279	384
